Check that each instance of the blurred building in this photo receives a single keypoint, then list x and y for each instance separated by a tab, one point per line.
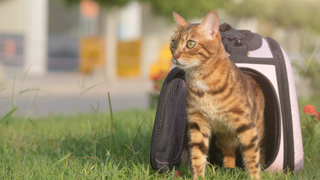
12	28
75	37
59	37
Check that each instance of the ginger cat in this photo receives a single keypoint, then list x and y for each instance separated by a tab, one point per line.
220	98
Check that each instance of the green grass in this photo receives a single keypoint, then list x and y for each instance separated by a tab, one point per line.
82	147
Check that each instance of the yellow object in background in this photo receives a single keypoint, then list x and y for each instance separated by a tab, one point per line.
128	58
163	63
92	54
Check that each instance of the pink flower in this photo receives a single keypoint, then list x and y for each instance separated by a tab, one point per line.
310	109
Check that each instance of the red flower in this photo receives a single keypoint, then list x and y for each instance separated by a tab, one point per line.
157	77
156	87
309	109
318	116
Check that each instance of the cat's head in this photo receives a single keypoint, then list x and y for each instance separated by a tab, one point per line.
192	45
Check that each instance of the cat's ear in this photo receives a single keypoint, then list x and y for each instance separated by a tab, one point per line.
179	20
211	23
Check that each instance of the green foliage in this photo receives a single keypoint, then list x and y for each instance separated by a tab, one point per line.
311	132
157	81
155	93
310	129
113	2
8	114
309	69
186	8
285	13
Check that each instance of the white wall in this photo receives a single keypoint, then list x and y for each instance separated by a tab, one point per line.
12	16
129	27
36	37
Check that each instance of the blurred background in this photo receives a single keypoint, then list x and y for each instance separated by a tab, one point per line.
63	56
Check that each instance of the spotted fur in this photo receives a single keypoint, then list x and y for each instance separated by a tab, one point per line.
220	98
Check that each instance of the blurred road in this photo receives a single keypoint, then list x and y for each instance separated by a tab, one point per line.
58	93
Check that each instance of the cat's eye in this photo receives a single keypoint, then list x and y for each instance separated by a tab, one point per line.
174	44
191	44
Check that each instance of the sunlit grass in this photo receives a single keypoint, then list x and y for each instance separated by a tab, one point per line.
74	146
81	147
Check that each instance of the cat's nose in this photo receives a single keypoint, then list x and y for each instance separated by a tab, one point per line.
176	56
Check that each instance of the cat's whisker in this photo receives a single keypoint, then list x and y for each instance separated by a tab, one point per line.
192	69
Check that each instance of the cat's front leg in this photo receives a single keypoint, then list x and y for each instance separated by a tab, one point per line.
248	137
199	135
228	145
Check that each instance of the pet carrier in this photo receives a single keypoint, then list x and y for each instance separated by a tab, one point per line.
266	61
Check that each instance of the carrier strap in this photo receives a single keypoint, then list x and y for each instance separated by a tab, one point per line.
239	42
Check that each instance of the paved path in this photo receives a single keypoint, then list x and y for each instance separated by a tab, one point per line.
58	93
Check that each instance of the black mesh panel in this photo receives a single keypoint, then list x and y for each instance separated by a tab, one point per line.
168	144
172	132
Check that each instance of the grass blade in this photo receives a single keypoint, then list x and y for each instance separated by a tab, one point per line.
172	172
66	156
29	89
89	88
8	114
82	88
24	77
111	114
135	137
32	123
13	97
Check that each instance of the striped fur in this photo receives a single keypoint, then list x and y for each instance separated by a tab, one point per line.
220	98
